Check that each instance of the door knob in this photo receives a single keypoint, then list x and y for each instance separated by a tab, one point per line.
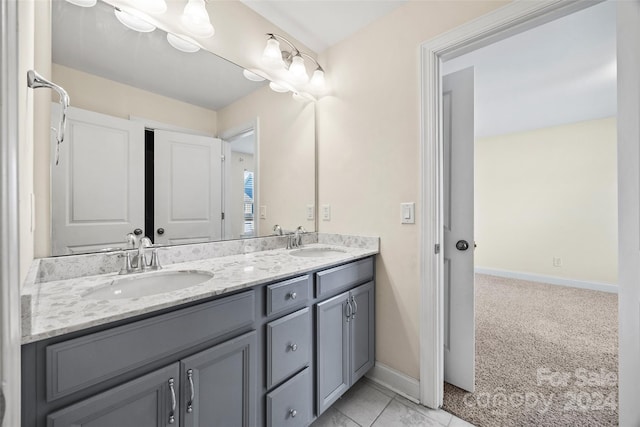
137	231
462	245
160	231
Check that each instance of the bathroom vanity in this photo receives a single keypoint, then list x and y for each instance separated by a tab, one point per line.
262	352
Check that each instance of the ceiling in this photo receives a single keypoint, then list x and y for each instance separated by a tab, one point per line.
320	24
560	72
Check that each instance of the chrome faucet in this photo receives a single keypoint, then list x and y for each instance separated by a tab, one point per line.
294	239
277	230
139	261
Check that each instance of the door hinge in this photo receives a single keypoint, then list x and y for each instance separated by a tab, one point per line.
223	157
222	215
436	249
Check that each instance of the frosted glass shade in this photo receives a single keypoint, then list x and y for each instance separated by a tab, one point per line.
153	6
272	56
317	80
83	3
134	21
182	43
297	70
195	19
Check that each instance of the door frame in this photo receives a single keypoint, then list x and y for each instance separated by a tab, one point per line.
9	214
502	23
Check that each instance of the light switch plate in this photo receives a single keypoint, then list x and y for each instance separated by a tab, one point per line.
326	212
408	213
310	212
263	212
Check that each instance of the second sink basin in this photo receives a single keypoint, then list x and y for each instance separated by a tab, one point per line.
315	252
149	284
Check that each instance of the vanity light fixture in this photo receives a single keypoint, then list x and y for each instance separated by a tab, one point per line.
278	87
182	43
134	20
83	3
195	19
292	60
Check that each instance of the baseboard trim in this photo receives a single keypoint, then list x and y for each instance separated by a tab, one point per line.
594	286
396	381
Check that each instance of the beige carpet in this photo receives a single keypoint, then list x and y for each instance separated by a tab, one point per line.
546	355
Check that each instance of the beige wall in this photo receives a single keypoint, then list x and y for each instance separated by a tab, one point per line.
549	193
285	155
94	93
369	150
34	53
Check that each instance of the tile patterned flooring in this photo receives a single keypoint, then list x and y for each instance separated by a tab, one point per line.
368	404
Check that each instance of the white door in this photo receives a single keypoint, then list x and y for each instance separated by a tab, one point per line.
459	301
187	188
97	189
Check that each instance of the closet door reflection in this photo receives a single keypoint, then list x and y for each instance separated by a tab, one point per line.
187	188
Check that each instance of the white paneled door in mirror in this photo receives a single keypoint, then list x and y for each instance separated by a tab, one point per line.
187	188
98	187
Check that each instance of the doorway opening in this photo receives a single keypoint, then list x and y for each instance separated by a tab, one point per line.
504	24
541	203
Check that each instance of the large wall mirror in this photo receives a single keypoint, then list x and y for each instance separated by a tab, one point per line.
178	146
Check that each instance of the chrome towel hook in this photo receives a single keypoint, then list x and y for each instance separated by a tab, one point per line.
36	81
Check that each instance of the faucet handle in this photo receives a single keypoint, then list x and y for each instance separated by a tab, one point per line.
155	261
126	265
130	240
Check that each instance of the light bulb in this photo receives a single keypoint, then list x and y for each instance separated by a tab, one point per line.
272	55
278	88
153	6
195	19
297	70
317	80
134	20
182	43
83	3
250	75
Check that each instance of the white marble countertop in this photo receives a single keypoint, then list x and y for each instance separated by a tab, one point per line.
59	307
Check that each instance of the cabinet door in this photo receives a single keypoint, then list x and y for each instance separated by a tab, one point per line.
219	385
362	334
333	350
149	401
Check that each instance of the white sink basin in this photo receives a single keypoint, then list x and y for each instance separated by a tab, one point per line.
149	284
317	252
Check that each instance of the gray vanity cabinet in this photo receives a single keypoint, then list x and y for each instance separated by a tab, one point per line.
149	401
219	385
345	339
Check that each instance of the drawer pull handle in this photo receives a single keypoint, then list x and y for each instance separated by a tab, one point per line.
293	347
192	389
172	418
293	295
293	413
349	309
355	307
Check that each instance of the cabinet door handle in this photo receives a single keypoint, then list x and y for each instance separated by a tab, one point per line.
293	347
172	418
193	391
349	309
355	307
293	295
293	413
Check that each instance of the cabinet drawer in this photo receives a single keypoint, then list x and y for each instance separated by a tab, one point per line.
78	363
290	404
288	294
288	345
343	277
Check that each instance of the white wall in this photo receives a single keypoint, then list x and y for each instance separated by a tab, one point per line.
549	193
369	156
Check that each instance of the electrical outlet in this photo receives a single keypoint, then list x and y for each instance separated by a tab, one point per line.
557	262
310	212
